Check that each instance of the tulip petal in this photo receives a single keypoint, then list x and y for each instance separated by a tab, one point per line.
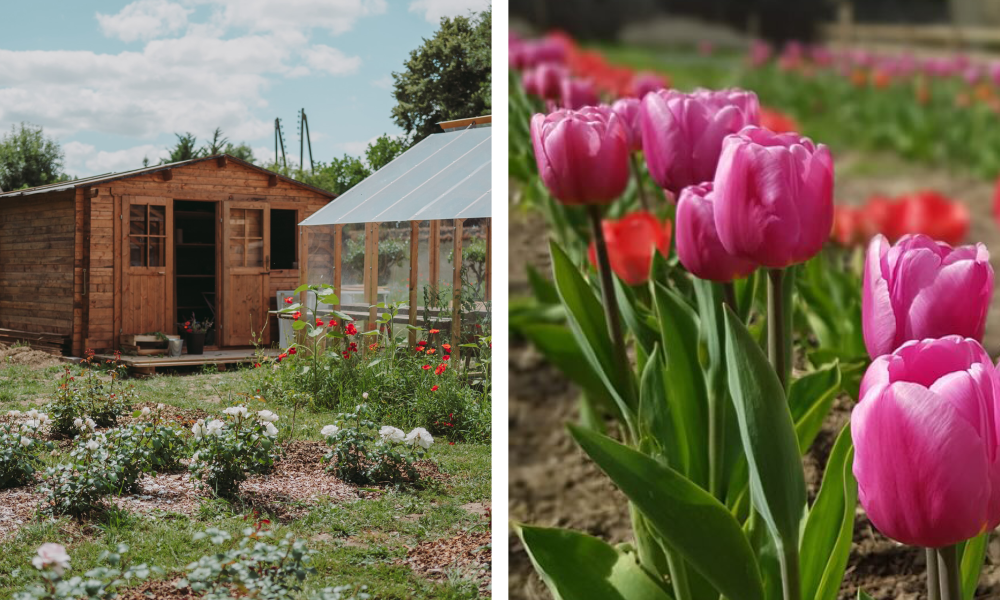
878	322
922	474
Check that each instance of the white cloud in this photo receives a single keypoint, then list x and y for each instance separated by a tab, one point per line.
354	148
85	158
383	82
331	60
144	19
435	9
335	16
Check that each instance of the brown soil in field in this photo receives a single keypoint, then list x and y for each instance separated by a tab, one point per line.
24	355
553	484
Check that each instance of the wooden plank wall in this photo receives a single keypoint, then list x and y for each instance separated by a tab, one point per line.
37	236
204	181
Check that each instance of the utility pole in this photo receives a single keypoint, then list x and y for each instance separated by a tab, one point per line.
279	139
304	138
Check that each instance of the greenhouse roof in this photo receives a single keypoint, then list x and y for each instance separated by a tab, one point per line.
445	176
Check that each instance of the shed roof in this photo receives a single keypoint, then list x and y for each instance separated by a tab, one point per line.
445	176
62	186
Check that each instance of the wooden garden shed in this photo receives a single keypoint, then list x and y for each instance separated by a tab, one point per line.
89	261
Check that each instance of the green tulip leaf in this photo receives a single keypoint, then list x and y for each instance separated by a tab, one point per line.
972	563
810	399
691	522
829	529
777	483
575	566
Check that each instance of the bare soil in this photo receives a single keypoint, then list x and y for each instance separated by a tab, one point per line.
553	484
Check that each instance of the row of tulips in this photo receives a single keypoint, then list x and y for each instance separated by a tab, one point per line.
712	428
926	212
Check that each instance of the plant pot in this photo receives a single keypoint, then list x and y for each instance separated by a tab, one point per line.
196	342
174	347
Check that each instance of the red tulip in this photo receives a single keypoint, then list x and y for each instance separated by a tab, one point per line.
777	121
934	215
632	242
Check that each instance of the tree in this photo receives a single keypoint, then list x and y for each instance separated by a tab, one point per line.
242	152
29	159
447	78
385	149
185	149
339	176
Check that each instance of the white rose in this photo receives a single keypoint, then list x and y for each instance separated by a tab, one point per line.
25	441
236	411
196	455
214	427
43	418
270	430
267	416
52	555
14	413
198	430
160	406
421	437
392	434
91	425
330	430
78	423
145	411
92	445
365	395
32	414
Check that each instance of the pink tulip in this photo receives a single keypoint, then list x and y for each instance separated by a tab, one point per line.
545	81
582	155
773	197
921	288
926	442
698	245
682	133
645	82
628	110
577	93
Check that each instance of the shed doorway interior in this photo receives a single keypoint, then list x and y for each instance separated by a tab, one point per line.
196	258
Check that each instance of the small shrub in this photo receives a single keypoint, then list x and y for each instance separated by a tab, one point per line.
163	445
78	487
363	454
91	396
52	563
18	451
259	569
230	450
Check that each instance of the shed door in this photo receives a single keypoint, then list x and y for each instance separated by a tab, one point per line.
246	260
147	265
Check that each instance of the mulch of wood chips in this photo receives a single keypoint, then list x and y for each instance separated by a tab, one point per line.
468	553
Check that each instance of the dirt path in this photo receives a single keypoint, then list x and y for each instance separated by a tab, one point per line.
553	484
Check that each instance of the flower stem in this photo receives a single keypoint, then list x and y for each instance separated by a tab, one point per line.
791	588
933	582
729	296
608	290
638	181
776	334
951	586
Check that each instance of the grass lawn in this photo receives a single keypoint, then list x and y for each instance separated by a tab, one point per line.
359	540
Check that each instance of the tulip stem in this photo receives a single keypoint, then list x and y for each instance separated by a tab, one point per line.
638	182
608	290
791	587
776	333
951	586
729	296
933	582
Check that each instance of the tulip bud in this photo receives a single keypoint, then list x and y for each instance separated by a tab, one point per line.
632	241
926	442
628	110
577	93
582	155
682	133
921	288
644	83
773	197
545	81
698	245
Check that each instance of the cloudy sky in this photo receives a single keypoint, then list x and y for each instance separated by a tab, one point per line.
113	80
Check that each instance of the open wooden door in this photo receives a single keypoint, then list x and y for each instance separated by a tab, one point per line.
147	265
246	247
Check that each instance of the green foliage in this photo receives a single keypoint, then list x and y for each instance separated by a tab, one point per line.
362	453
385	149
29	159
230	450
95	394
187	148
390	253
18	455
447	78
79	486
98	583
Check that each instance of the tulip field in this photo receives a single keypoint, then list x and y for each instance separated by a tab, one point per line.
198	486
753	333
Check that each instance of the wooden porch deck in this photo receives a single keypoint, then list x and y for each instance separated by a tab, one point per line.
148	364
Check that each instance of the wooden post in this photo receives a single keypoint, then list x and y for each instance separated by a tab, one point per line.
338	243
489	259
414	279
456	302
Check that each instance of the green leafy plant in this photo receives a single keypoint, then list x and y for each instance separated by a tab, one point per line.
362	453
19	452
232	448
52	563
99	393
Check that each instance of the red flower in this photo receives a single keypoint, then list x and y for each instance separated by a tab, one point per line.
632	241
332	323
422	343
419	349
777	121
187	323
426	367
446	357
373	346
447	347
434	389
431	351
350	329
289	300
319	322
346	354
296	315
256	365
353	347
433	331
451	443
440	369
292	350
